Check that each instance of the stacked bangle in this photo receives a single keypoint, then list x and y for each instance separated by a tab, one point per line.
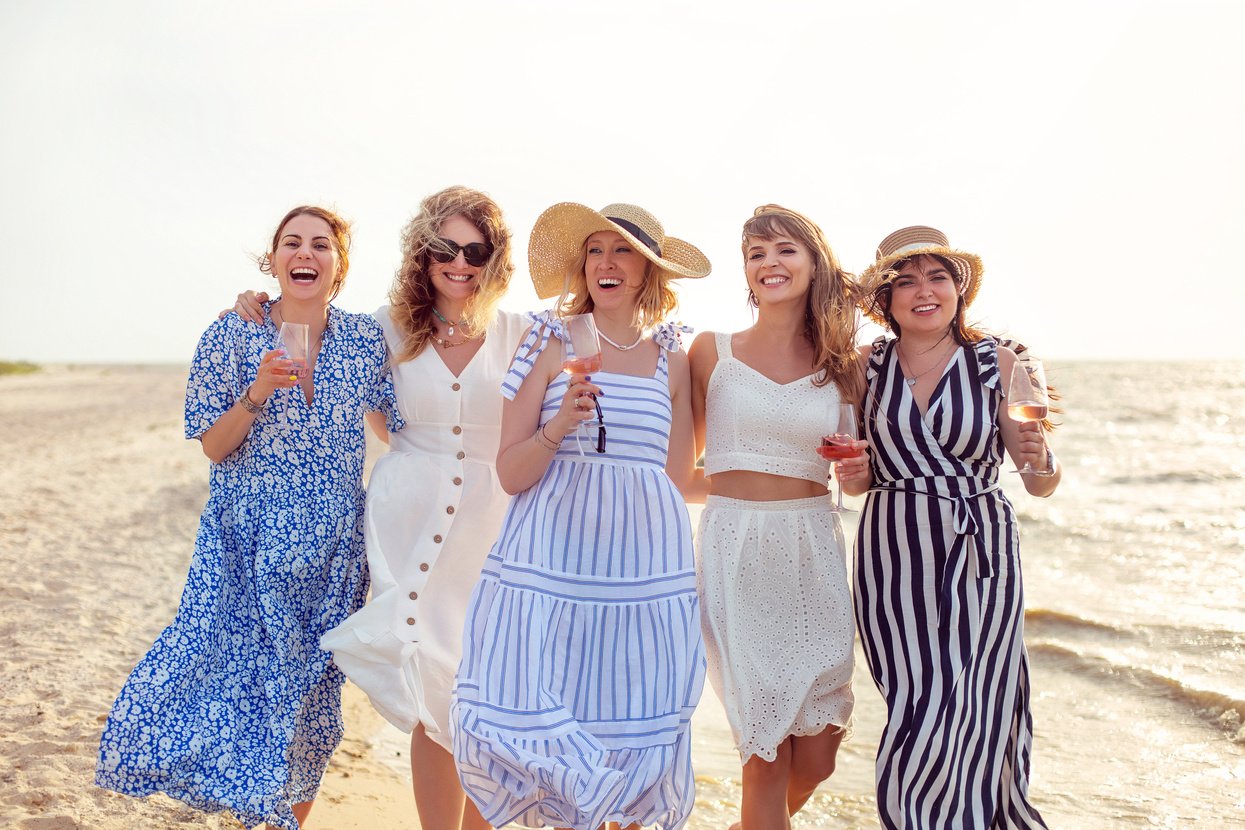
545	441
249	405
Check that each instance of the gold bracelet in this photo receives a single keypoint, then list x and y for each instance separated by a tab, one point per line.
545	441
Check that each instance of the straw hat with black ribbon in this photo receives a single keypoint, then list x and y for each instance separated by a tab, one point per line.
558	239
906	243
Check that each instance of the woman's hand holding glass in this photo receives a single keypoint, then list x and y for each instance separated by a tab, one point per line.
576	408
276	371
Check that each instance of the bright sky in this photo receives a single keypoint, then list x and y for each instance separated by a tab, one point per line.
1090	151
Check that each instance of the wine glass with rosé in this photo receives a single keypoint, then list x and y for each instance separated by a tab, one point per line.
582	356
1026	396
838	446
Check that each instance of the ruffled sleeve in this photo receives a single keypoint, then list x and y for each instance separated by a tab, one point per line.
669	335
544	324
986	352
877	357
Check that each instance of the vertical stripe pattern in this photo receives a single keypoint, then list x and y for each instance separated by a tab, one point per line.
582	658
939	602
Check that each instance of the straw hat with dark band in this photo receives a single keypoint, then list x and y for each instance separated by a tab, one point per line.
906	243
559	234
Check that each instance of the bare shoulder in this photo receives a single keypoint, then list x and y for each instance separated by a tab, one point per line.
704	347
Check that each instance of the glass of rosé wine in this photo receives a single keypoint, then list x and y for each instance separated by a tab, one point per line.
1026	396
582	356
838	446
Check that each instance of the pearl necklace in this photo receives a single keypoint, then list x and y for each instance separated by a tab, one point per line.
607	339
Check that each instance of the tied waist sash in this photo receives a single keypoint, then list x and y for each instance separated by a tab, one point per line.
963	494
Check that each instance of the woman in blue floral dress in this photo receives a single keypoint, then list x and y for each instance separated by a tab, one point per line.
236	707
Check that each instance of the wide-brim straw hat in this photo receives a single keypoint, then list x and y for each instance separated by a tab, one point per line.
559	234
906	243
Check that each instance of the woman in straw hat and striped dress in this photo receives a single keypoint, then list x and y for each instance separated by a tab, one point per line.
939	538
773	573
582	657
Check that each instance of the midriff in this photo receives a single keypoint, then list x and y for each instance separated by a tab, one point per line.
754	486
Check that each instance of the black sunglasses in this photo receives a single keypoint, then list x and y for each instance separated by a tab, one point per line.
600	424
446	250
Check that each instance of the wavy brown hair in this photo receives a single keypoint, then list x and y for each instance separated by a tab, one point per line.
411	297
655	303
340	230
830	312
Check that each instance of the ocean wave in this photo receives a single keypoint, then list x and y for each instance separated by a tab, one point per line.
1189	639
1177	477
1222	711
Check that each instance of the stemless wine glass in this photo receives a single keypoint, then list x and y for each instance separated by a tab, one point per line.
839	445
295	339
1026	397
582	356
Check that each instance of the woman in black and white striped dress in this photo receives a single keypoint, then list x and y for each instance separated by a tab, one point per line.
938	591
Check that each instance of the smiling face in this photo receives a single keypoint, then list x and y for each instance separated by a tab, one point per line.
305	260
924	295
778	269
457	279
614	270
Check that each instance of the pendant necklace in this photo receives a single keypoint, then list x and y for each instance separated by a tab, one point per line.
911	381
607	339
450	331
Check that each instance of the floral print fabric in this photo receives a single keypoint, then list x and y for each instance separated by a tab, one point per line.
236	707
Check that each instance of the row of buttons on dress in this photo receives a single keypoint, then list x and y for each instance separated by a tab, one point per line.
449	509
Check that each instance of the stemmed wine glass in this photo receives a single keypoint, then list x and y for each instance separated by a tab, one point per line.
1026	398
582	356
839	445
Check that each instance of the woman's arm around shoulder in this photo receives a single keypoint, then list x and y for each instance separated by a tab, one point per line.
1026	440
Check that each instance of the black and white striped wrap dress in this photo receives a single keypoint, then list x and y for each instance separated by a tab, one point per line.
939	601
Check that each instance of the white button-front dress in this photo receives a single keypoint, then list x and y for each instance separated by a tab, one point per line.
434	508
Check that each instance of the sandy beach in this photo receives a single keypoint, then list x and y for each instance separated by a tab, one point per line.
99	499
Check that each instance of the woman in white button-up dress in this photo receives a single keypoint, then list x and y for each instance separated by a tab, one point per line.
434	506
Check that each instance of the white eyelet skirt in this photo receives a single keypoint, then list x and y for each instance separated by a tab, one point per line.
777	618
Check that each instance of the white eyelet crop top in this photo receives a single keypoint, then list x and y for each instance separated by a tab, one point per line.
754	423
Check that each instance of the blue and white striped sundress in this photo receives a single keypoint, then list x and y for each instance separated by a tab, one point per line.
582	654
939	602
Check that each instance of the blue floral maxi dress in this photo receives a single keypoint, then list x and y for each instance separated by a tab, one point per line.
939	601
582	654
236	707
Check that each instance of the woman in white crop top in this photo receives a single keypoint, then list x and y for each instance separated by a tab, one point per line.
776	604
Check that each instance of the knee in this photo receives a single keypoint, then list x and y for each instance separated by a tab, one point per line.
809	771
759	772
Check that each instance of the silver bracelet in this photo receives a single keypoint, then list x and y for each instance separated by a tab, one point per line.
250	405
1050	465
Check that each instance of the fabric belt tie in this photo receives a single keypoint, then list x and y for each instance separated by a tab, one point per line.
966	527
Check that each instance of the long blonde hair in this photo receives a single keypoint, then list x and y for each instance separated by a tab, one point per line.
830	312
411	296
